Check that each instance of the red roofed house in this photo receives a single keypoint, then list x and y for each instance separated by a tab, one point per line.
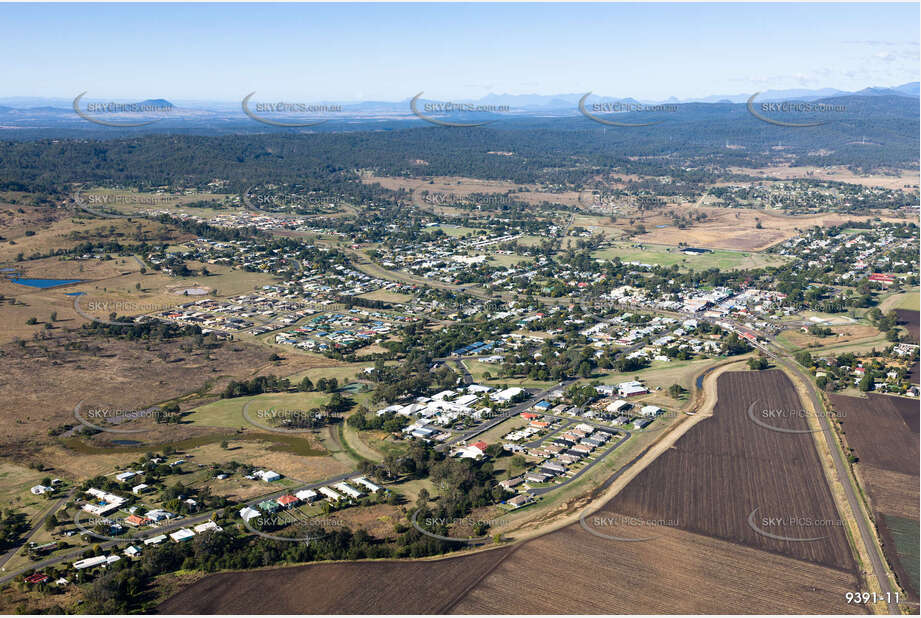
881	278
480	445
36	578
287	500
137	520
529	416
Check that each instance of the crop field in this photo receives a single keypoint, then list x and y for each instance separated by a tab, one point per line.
417	587
678	572
909	320
900	536
883	431
721	471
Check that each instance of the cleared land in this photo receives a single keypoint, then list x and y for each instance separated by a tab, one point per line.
736	228
563	571
837	173
883	431
678	572
797	340
665	255
723	469
909	320
445	189
419	587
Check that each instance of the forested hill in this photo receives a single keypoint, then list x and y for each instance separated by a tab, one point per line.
874	132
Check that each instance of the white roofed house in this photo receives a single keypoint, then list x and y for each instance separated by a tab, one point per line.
630	389
360	480
155	540
331	495
618	406
348	490
248	513
183	534
507	394
306	495
208	525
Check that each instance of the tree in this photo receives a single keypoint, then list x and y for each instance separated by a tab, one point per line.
804	358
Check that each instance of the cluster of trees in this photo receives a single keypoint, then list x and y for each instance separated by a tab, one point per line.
155	330
391	422
256	386
12	525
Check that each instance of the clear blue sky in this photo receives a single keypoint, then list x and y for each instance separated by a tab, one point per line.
313	52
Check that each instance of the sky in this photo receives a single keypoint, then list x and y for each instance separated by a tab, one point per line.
390	52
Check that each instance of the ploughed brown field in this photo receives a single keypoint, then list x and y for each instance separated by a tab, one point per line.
883	431
371	587
678	572
909	319
723	468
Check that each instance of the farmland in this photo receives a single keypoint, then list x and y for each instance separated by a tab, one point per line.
739	575
740	466
883	433
909	320
678	572
338	588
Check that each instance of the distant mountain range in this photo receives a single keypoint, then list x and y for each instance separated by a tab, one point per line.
50	114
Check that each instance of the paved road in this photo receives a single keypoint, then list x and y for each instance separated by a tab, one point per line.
516	409
543	490
869	540
168	527
38	526
841	469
